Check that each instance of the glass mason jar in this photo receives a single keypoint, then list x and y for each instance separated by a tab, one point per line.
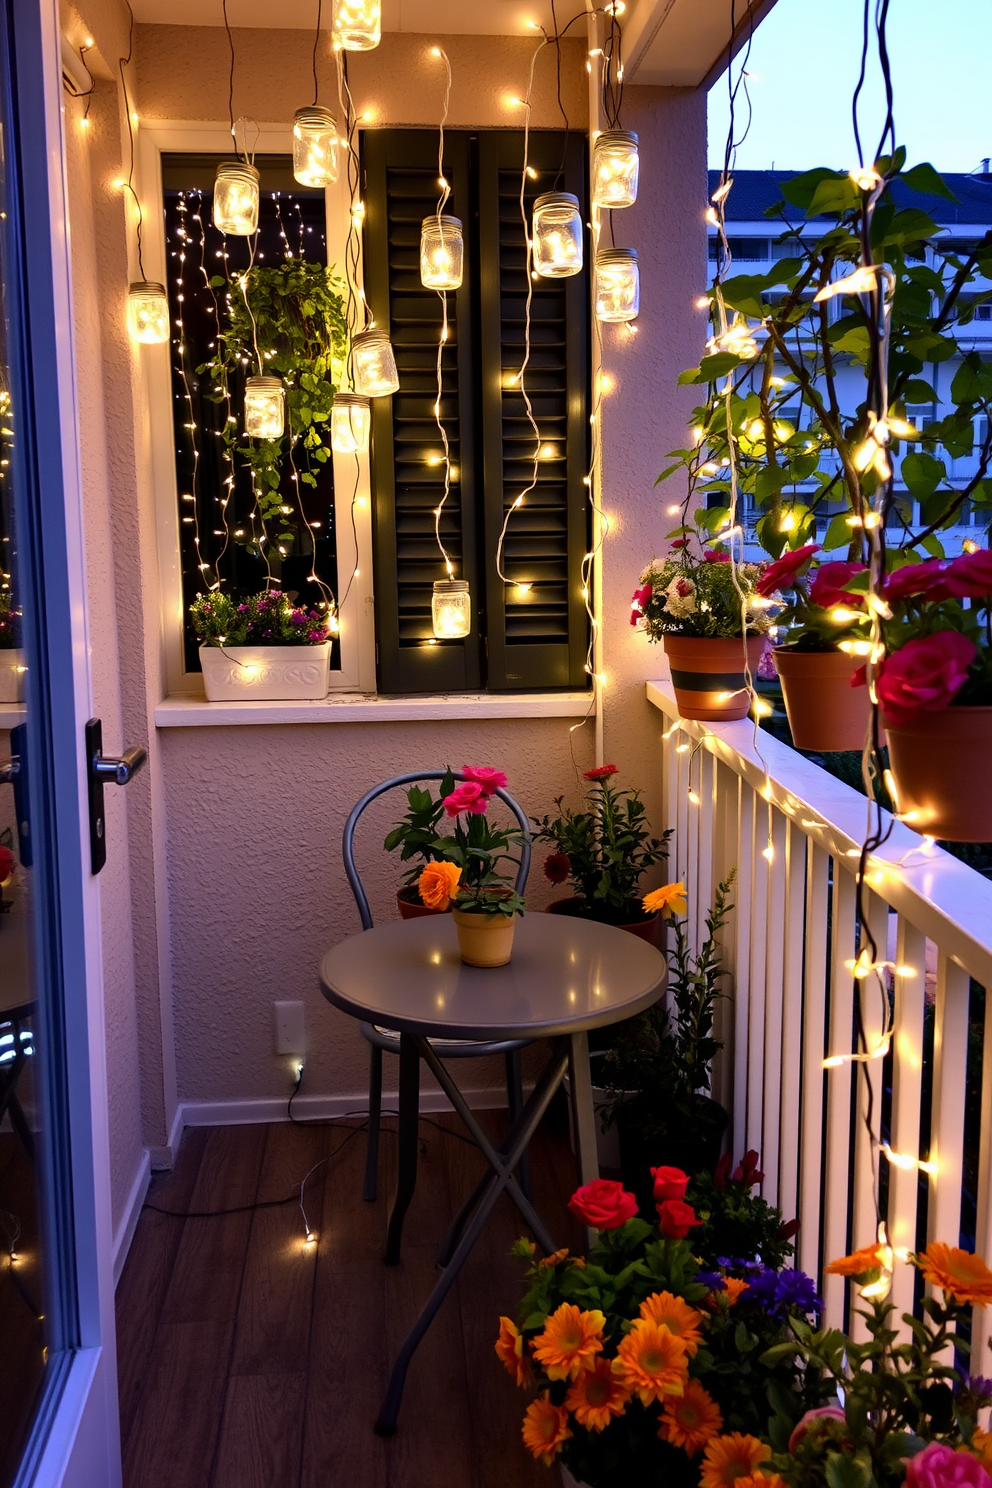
351	424
315	147
614	169
451	609
236	198
441	252
265	408
374	366
357	24
557	235
618	284
147	312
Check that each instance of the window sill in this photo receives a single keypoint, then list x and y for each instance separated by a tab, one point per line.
353	707
11	714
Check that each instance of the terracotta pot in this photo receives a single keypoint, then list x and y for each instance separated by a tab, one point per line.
825	711
484	940
645	929
708	675
412	909
940	763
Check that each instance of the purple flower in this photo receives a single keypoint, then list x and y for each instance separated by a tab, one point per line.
711	1279
778	1292
976	1385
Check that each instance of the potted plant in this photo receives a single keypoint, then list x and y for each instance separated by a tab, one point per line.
264	647
713	623
11	656
658	1073
640	1355
467	875
415	835
602	853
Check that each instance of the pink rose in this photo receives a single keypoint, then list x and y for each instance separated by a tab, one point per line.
938	1466
822	1413
669	1183
716	555
928	577
746	1170
6	863
970	576
676	1219
490	781
828	584
925	676
466	797
785	570
639	599
603	1204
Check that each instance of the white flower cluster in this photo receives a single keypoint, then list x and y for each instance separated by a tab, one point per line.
681	597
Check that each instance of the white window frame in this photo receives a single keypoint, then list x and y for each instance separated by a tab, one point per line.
357	615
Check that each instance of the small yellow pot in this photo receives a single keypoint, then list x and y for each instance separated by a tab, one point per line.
484	940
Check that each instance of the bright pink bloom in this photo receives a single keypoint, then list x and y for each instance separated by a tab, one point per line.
557	867
722	1171
747	1169
669	1183
603	1204
600	772
828	584
489	780
938	1466
925	676
639	599
928	577
676	1218
970	576
716	555
6	863
805	1423
785	570
466	797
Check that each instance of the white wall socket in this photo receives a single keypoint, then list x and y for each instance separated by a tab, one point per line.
291	1029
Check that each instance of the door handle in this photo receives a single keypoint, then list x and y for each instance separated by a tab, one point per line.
101	771
9	770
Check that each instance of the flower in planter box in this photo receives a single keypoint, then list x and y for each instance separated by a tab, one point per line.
693	1420
729	1459
603	1204
669	1183
785	570
511	1350
597	1396
488	780
545	1428
829	586
960	1275
669	899
570	1341
676	1219
939	1466
557	867
671	1312
651	1362
469	796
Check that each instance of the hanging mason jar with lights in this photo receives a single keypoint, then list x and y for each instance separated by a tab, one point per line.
265	408
614	169
351	424
618	286
236	198
148	312
357	24
451	609
557	235
315	147
374	366
441	252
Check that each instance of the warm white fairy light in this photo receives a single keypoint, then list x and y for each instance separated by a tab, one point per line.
615	168
356	25
148	312
236	196
556	247
315	147
351	424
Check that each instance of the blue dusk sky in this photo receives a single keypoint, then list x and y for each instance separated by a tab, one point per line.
804	67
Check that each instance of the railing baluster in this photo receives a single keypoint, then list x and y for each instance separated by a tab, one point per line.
814	1048
742	959
907	1099
950	1061
759	941
704	873
793	930
868	1111
727	788
837	1176
778	883
981	1322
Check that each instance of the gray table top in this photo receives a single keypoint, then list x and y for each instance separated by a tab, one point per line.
566	975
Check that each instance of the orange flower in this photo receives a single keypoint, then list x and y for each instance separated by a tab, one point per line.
553	1260
510	1347
597	1396
677	1316
570	1341
651	1362
963	1276
438	883
981	1447
729	1460
734	1288
668	897
545	1428
760	1480
691	1422
858	1263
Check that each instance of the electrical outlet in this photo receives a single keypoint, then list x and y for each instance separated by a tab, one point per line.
291	1031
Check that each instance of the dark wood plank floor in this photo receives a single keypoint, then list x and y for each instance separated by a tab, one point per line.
249	1359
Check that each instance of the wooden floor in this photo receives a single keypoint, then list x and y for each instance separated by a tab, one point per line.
251	1360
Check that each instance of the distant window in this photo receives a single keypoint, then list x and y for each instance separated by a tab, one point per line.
743	250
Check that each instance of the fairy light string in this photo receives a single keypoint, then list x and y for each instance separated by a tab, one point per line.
442	295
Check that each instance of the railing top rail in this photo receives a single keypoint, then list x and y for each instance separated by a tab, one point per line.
944	898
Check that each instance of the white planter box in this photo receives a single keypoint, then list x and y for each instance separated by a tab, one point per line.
235	674
11	676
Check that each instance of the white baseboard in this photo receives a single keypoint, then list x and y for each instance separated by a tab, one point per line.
164	1158
322	1107
132	1210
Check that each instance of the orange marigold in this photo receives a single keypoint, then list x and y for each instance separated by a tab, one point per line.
545	1428
670	1312
729	1459
437	884
597	1396
651	1362
734	1288
691	1422
858	1263
670	898
511	1351
981	1447
761	1480
553	1260
570	1341
963	1276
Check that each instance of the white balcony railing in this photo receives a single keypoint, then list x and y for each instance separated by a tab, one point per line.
736	796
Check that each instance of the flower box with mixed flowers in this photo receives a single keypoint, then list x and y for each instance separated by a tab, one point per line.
265	647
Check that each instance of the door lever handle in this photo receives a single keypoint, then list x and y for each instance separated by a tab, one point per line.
9	770
119	771
101	771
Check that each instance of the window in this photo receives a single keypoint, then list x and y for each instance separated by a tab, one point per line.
742	250
531	631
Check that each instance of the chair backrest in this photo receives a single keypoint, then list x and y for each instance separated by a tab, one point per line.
348	837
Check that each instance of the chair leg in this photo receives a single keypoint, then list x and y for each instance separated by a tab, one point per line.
515	1101
375	1119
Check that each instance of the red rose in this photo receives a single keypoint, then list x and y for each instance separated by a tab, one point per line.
557	867
603	1204
925	676
715	555
747	1169
680	542
970	576
600	773
928	577
828	584
6	863
785	570
669	1183
788	1228
638	600
676	1218
466	797
488	780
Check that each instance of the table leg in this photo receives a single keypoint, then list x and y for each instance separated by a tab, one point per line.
583	1114
409	1137
515	1101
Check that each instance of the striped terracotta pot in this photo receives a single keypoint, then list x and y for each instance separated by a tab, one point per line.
708	675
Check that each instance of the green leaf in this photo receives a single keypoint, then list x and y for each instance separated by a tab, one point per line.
838	533
922	473
927	181
801	189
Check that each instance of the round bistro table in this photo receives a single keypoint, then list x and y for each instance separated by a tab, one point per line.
567	976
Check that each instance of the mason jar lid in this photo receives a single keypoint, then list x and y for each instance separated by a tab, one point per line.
616	137
351	400
370	338
451	586
146	287
556	199
263	384
453	224
233	169
616	256
315	116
